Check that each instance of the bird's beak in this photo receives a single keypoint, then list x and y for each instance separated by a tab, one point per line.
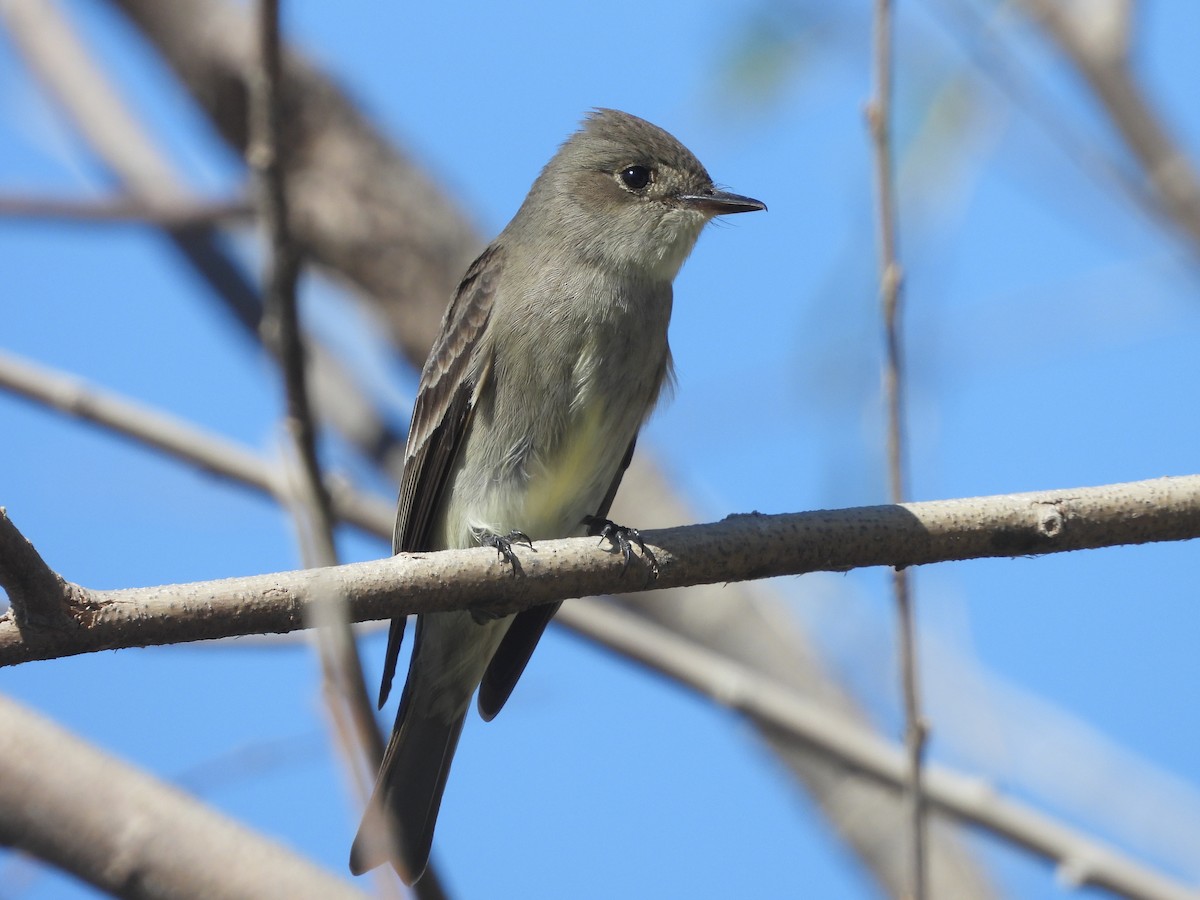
722	203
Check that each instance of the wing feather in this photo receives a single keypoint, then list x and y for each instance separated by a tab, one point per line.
450	383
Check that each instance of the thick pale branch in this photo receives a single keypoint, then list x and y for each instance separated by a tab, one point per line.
134	837
740	548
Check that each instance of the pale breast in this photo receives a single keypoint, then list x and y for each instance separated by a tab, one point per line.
568	394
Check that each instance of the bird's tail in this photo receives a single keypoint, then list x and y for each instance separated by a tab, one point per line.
398	825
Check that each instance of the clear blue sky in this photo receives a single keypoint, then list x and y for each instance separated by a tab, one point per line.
1053	341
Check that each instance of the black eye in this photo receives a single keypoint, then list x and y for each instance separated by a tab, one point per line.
636	177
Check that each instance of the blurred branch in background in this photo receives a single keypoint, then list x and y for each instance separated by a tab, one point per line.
174	214
131	835
1082	860
209	453
1095	37
280	328
891	283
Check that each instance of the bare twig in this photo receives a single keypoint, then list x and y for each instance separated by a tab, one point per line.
135	836
973	800
738	548
178	438
345	694
281	321
891	278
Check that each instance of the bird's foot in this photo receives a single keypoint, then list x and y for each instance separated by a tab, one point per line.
624	539
503	545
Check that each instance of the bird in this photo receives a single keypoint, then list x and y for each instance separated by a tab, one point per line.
551	355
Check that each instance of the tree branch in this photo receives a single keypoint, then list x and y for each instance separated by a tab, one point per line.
36	594
891	279
741	547
280	329
344	691
165	214
135	836
1099	54
178	438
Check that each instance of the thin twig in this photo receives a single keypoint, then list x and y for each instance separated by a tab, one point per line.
281	325
891	278
345	693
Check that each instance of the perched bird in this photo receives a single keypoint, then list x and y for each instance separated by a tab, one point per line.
550	357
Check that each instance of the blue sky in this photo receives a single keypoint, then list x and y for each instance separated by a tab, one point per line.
1052	335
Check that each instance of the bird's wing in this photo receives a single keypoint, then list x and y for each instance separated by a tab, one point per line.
518	643
450	384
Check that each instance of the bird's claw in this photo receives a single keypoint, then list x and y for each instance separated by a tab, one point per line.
623	539
503	545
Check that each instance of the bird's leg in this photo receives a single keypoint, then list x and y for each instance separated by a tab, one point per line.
622	538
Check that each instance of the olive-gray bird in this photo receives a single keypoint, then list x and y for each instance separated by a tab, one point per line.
551	355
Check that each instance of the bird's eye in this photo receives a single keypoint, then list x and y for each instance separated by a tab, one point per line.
636	177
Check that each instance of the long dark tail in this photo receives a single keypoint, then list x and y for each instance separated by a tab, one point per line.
409	793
